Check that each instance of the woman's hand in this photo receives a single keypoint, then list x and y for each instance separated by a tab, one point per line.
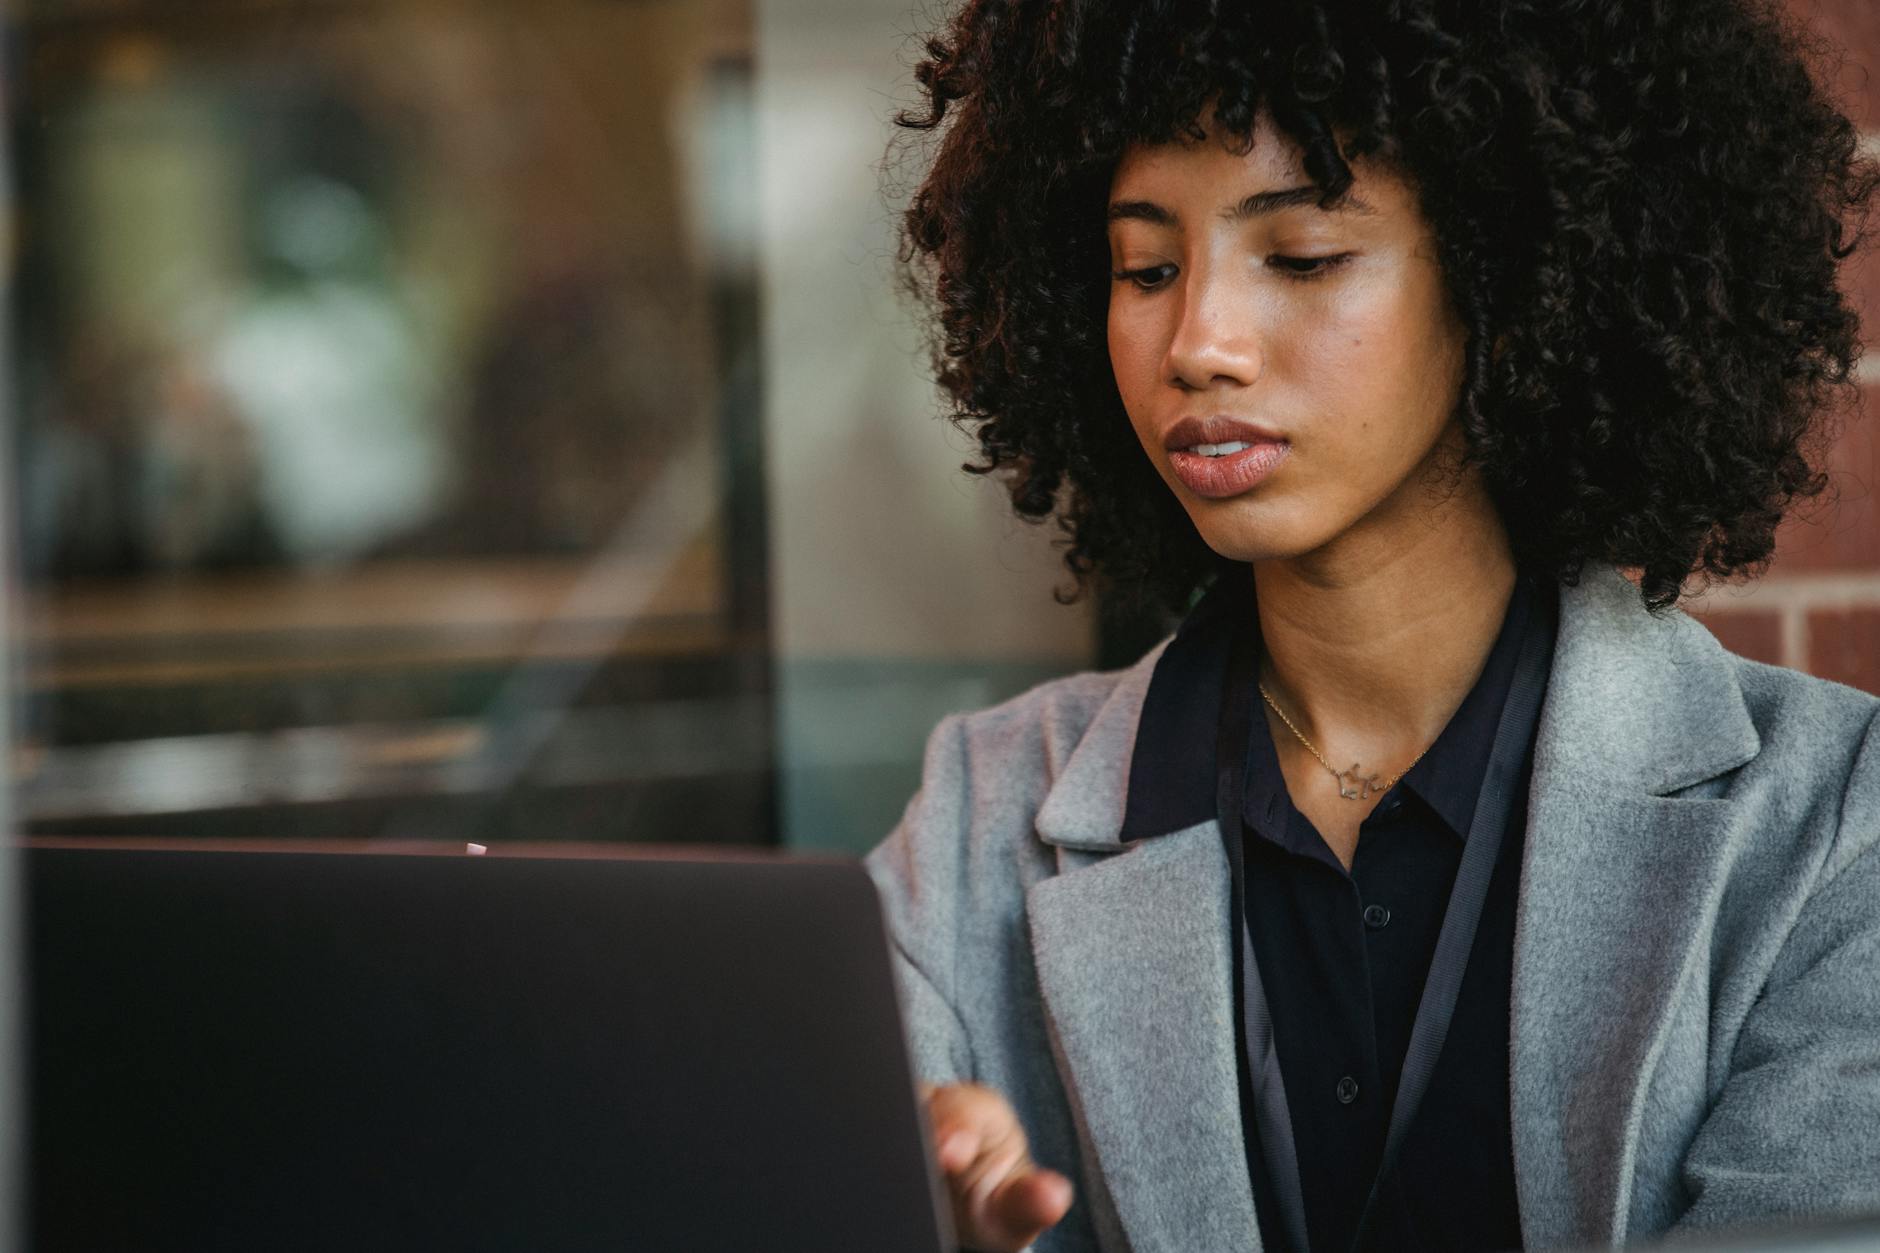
1002	1200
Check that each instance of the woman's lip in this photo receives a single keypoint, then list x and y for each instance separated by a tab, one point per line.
1218	429
1237	472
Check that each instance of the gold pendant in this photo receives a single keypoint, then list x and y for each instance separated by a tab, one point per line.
1362	785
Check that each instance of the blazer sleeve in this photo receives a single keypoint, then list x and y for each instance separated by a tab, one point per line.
916	869
1795	1132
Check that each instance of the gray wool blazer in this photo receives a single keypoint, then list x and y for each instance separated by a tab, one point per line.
1696	1001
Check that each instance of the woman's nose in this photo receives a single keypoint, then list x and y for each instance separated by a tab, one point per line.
1216	341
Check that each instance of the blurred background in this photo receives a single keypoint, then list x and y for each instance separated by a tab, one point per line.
475	420
472	420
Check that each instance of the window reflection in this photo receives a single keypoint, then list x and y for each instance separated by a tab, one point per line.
385	372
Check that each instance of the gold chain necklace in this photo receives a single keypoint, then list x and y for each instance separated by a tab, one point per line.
1360	786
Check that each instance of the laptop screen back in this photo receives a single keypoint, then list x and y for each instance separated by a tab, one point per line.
311	1050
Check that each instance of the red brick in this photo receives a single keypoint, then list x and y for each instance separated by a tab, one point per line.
1860	278
1841	531
1756	634
1854	26
1844	645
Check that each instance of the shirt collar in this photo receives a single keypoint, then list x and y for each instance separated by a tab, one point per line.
1172	767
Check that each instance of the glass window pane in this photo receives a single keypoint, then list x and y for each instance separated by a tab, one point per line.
389	439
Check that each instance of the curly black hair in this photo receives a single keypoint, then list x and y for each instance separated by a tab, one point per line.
1640	208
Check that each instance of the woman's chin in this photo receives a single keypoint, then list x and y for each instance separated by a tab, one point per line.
1254	539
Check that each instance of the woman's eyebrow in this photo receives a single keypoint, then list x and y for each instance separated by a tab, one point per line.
1256	205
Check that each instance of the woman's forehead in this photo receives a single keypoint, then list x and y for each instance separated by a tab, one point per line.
1213	175
1268	162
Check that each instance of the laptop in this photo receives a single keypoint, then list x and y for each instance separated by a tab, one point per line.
550	1049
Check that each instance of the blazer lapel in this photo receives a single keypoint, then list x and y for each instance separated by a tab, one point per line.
1620	881
1136	974
1131	949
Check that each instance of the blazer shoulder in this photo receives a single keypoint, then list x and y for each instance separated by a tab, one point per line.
1001	761
1821	739
1774	690
987	772
1796	713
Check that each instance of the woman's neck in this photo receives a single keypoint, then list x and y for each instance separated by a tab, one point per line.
1371	643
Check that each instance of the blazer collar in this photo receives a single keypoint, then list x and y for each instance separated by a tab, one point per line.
1640	704
1083	807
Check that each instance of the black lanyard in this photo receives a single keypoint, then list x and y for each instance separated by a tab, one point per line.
1233	757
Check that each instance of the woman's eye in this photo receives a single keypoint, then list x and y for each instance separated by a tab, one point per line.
1309	267
1147	278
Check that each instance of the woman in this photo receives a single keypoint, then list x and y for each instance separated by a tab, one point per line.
1423	353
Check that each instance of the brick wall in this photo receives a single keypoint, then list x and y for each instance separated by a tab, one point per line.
1818	607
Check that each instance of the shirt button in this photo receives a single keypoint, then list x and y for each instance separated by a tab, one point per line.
1347	1090
1376	917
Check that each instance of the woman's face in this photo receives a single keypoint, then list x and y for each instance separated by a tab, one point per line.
1291	372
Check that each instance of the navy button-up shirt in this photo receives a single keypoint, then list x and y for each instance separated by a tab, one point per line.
1343	954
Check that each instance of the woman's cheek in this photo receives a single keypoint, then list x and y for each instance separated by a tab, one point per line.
1134	359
